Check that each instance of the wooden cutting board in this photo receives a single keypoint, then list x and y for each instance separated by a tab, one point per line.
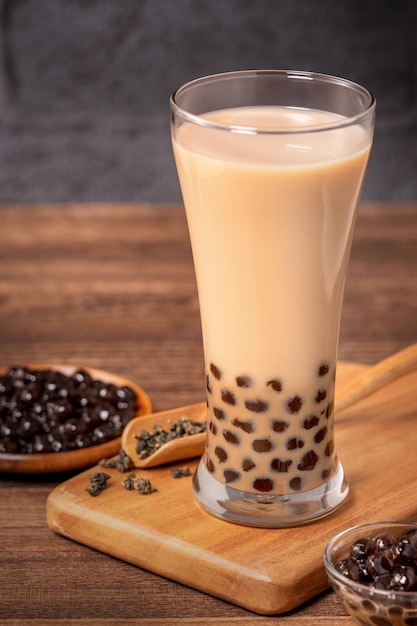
263	570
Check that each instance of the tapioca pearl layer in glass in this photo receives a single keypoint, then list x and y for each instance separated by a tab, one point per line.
267	437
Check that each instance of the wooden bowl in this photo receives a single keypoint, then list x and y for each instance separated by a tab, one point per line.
74	459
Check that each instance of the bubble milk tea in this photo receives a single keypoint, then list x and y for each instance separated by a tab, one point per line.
271	219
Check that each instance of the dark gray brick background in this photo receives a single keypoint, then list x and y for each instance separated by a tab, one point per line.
84	84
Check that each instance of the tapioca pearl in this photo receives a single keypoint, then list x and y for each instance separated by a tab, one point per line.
296	483
210	466
215	371
294	404
213	428
231	437
294	443
256	406
221	454
231	475
329	409
219	413
263	484
244	381
308	462
278	465
247	427
325	474
208	385
323	369
228	397
310	422
320	435
248	464
262	445
275	384
279	426
329	448
321	395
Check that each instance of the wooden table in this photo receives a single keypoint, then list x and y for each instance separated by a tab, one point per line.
113	287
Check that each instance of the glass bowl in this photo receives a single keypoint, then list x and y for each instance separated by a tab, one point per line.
363	595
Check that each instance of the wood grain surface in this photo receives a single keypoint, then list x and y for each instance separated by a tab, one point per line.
113	287
268	571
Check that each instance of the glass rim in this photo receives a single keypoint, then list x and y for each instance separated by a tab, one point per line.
197	119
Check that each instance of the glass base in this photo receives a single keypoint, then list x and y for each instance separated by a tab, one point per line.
268	511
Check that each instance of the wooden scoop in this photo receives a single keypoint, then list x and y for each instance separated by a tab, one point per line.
369	381
175	450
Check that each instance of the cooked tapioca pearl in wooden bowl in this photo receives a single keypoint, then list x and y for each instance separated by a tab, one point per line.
373	569
59	417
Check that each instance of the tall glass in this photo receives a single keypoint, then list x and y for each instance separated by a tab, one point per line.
271	166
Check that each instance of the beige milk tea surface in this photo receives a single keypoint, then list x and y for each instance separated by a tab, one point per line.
271	218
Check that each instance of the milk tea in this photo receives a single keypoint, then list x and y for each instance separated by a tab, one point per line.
271	219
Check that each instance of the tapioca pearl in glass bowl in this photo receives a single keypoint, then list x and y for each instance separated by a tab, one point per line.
373	569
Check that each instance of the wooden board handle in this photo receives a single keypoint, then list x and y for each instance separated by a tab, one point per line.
377	376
